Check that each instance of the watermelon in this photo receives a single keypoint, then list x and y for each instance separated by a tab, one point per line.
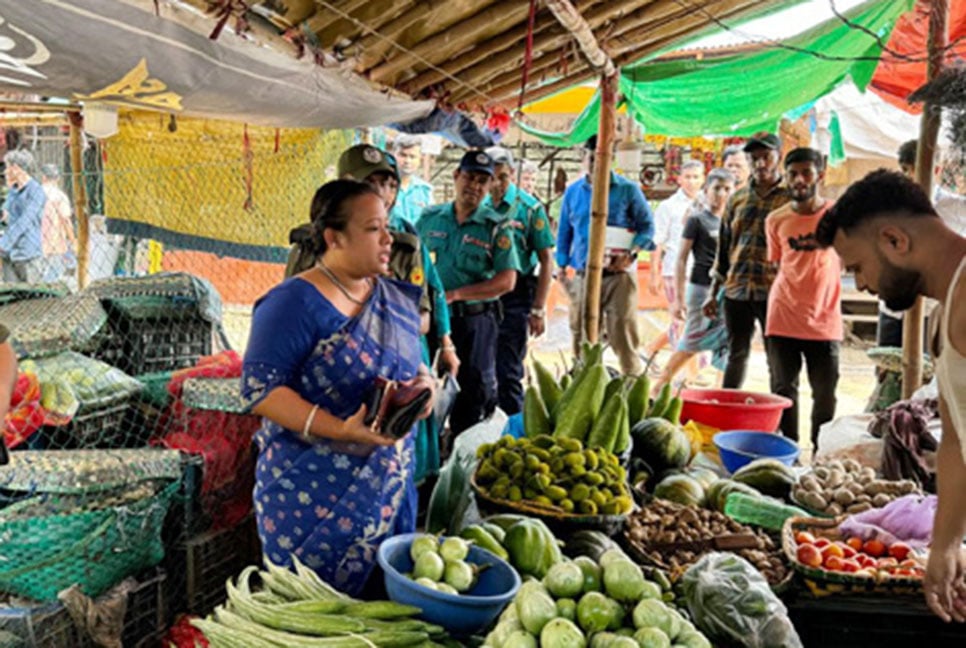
681	489
661	444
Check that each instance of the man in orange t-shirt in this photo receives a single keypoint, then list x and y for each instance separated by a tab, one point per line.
804	314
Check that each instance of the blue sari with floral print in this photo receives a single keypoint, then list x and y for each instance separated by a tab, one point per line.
331	504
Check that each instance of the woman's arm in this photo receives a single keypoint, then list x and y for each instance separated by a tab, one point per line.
284	406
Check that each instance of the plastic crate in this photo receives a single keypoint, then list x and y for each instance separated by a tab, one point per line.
103	425
46	626
210	559
155	344
146	618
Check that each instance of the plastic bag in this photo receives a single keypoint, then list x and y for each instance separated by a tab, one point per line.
908	519
452	504
731	601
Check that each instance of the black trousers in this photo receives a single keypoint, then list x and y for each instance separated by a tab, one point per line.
475	338
511	349
822	366
739	317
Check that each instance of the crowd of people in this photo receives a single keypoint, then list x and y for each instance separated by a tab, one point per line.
383	284
39	242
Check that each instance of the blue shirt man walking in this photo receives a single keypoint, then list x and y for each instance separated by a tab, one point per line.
626	209
20	246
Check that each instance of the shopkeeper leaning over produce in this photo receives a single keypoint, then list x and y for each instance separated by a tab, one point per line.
328	488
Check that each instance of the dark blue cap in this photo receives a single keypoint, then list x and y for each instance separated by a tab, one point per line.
477	161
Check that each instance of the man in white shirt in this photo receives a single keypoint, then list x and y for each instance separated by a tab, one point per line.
951	207
668	228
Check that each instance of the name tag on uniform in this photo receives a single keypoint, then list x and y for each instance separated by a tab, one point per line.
435	234
477	242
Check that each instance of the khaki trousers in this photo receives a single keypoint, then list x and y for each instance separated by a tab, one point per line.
618	317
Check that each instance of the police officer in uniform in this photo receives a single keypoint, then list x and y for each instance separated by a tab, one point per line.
524	308
472	247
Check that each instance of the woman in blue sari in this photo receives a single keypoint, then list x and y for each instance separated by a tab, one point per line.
329	489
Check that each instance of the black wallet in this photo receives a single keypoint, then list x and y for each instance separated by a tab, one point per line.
392	408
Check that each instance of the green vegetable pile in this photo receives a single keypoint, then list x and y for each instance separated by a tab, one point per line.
299	610
555	473
525	542
605	604
442	566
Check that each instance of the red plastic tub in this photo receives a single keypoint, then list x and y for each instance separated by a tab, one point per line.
733	409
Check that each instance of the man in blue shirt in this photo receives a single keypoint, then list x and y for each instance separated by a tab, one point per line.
627	209
415	194
20	246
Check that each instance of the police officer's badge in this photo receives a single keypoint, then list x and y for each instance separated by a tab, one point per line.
416	276
540	224
482	158
372	155
503	243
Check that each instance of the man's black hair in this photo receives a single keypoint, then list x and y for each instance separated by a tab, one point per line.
907	152
804	154
880	193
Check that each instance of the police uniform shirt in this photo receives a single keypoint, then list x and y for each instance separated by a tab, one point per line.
529	223
469	253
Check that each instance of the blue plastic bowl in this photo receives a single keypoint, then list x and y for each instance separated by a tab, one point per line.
741	447
463	614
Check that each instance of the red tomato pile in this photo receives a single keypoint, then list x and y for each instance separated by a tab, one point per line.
870	559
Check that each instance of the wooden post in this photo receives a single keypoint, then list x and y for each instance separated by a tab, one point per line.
80	196
598	206
912	333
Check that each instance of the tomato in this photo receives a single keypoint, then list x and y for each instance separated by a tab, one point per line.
849	551
833	550
909	563
809	554
899	550
804	537
834	563
855	543
874	548
887	564
865	560
850	566
821	543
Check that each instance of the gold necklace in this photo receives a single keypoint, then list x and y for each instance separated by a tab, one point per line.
338	284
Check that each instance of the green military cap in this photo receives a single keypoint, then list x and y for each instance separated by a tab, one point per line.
362	160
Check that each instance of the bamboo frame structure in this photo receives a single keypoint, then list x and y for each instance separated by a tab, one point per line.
925	157
80	195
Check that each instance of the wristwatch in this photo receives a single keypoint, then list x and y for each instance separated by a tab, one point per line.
538	312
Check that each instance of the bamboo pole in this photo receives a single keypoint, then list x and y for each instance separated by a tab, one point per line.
505	48
452	39
373	49
600	196
80	196
925	163
505	95
573	22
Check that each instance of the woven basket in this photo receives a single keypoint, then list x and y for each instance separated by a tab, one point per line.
218	394
556	520
822	582
47	326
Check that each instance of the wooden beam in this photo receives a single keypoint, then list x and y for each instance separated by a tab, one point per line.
332	27
547	33
372	48
505	96
600	193
925	163
573	22
80	196
638	26
443	44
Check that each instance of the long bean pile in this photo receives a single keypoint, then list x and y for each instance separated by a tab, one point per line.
297	609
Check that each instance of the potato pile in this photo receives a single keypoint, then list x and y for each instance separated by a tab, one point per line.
656	528
840	487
